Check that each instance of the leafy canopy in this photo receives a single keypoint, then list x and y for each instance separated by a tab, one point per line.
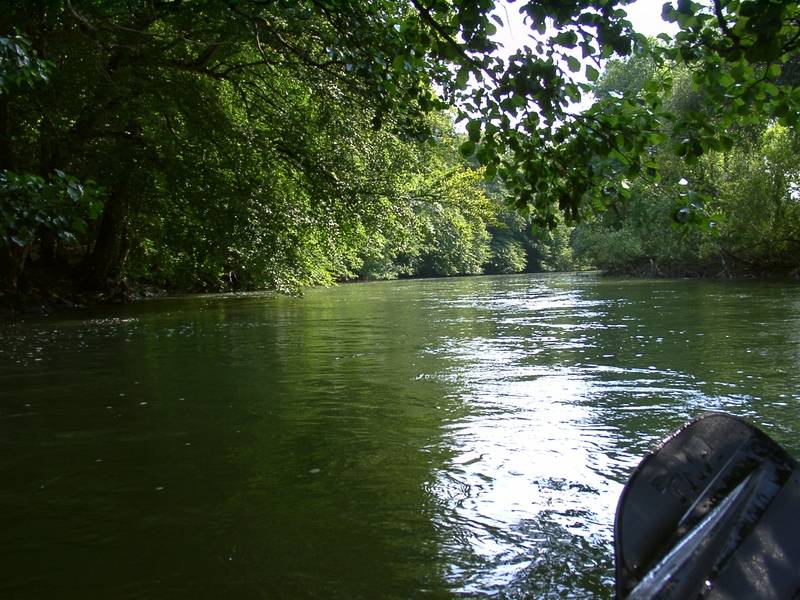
242	134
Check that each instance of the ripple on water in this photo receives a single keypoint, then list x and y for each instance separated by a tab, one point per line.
466	438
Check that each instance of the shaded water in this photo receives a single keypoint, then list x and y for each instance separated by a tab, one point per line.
426	439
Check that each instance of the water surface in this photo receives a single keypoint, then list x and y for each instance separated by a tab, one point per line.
460	438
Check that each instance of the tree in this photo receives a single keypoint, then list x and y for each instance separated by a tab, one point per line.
51	206
208	126
527	134
245	113
741	196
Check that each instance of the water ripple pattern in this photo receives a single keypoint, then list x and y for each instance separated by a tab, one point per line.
543	449
435	439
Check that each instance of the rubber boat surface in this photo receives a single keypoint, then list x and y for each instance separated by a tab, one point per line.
713	513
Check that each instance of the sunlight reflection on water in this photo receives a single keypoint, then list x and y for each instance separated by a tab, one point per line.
531	450
539	460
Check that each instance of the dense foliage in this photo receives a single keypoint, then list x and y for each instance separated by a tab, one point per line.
235	143
734	210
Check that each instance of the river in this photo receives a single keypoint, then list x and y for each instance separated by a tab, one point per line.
460	438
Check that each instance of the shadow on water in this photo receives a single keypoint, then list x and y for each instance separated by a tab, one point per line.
437	439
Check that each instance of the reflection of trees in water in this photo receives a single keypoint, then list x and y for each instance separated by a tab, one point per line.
443	435
342	428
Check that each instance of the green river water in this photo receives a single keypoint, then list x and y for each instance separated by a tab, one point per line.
460	438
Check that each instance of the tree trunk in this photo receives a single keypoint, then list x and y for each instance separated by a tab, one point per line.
102	268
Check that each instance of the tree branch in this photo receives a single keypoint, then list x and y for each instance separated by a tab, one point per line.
723	24
428	18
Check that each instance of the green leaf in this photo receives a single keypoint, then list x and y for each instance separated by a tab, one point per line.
567	39
725	80
591	73
467	149
462	78
574	64
774	71
474	130
74	192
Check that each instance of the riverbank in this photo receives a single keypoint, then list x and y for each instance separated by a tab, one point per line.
651	269
42	297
